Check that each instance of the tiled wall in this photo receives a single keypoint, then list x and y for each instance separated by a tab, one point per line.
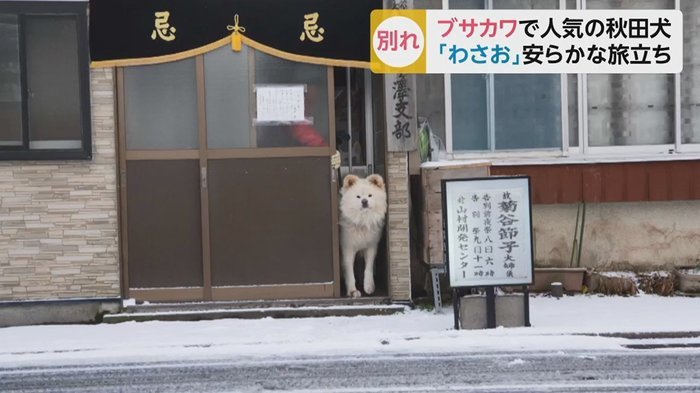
398	226
58	219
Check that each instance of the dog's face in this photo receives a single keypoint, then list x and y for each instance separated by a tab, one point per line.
361	196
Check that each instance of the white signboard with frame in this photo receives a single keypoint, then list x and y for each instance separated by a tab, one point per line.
488	231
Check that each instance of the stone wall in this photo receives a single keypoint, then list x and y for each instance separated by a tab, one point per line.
58	219
620	236
398	226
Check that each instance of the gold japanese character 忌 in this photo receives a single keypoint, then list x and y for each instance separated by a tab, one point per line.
311	29
163	29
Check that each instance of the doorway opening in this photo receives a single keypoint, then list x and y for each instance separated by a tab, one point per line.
359	121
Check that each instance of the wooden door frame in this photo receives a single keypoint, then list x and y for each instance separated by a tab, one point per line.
203	154
121	181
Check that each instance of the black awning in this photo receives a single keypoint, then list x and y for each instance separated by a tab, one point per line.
131	32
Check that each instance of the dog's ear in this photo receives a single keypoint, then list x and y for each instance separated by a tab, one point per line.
376	180
350	180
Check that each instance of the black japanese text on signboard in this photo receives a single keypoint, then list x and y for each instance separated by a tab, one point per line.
488	232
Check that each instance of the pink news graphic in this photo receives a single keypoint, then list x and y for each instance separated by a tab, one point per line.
529	41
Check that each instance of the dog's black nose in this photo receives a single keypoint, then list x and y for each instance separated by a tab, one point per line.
365	203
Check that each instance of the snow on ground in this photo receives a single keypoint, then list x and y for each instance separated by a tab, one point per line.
631	275
556	324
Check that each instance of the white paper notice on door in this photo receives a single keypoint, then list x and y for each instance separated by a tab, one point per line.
280	103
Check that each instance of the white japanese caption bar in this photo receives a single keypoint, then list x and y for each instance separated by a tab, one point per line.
553	41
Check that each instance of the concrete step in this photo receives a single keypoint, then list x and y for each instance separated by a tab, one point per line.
255	309
247	304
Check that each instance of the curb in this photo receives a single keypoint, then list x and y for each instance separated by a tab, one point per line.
644	335
256	314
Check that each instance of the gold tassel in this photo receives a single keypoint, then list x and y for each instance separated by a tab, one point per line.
236	35
236	42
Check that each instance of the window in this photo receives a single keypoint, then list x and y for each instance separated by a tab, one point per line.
572	114
154	122
44	81
630	109
505	112
690	77
273	70
229	85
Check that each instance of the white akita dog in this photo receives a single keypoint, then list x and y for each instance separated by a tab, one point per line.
362	214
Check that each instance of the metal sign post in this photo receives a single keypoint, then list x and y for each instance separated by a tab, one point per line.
487	227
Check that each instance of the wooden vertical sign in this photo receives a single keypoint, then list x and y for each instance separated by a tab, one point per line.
402	125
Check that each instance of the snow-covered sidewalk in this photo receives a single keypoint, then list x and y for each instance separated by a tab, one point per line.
556	325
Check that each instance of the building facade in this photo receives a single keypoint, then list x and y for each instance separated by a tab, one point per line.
148	170
158	176
621	151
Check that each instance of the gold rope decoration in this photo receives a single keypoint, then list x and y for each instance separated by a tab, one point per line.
303	58
224	41
140	61
236	35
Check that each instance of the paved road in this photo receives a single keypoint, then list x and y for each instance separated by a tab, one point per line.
621	371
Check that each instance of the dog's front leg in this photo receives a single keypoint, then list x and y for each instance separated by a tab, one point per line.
370	254
349	273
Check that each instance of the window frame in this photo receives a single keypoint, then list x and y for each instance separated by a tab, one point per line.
79	10
255	148
491	106
582	152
